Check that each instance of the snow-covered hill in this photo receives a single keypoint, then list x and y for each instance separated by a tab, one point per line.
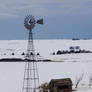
46	47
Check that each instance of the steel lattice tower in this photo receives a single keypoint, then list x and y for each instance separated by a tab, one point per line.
31	77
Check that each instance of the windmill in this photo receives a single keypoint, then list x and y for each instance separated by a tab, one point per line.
31	77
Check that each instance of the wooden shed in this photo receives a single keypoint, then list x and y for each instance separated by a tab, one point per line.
60	85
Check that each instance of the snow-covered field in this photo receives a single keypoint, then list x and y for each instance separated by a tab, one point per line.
46	48
72	65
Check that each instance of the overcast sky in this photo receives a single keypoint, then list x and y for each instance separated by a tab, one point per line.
62	18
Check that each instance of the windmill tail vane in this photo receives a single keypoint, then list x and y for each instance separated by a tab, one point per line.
40	21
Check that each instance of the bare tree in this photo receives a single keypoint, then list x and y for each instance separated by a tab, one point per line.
90	80
44	87
78	80
71	49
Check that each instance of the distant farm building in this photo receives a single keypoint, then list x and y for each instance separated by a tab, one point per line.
60	85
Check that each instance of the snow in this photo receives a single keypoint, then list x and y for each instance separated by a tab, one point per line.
46	48
71	65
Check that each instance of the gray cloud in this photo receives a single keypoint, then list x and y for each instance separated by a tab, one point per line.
43	7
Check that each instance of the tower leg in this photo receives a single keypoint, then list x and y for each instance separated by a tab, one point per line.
31	78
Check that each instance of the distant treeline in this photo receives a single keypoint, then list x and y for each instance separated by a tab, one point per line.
71	50
80	39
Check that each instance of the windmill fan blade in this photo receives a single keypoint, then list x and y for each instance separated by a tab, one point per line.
40	21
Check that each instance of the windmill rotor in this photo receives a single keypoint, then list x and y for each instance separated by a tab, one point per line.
29	22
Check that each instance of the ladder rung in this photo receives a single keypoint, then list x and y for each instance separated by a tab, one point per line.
30	69
30	88
30	78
